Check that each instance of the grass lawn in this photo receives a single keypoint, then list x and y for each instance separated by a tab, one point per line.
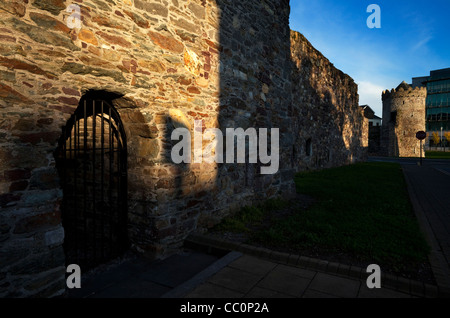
361	211
437	155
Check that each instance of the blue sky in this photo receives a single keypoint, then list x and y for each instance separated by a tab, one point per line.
414	38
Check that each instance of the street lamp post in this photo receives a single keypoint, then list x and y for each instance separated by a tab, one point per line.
441	139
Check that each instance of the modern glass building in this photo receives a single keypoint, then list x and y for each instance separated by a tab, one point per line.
437	103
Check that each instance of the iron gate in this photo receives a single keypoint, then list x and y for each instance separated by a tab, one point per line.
92	164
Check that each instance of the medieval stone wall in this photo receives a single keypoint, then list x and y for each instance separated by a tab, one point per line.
167	63
225	62
403	116
330	128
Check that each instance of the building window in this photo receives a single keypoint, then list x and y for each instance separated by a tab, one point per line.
308	147
394	118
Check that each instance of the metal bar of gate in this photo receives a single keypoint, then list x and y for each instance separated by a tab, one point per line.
119	192
84	182
119	189
102	222
122	189
111	154
64	177
94	232
66	183
75	170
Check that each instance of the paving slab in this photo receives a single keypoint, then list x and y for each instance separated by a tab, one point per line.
296	271
132	288
259	292
137	276
209	290
234	279
310	293
334	285
284	281
366	292
108	275
177	269
253	265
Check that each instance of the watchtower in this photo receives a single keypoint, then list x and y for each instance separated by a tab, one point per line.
403	116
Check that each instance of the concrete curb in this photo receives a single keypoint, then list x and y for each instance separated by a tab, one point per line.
401	284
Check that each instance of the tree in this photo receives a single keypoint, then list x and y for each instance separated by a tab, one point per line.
447	137
436	138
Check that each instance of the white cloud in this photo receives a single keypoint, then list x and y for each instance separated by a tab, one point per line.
370	94
421	43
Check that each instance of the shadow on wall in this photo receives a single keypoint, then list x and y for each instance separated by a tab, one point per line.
255	92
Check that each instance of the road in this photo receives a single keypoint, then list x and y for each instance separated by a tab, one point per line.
429	191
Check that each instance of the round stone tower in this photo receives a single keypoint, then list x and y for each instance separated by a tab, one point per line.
403	116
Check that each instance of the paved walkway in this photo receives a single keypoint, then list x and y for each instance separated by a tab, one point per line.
263	273
196	274
252	277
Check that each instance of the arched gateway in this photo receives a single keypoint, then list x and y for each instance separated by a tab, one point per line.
92	165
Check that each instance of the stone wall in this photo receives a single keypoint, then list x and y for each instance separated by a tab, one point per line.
165	64
169	63
330	127
403	116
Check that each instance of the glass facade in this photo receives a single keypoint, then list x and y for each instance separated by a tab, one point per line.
438	104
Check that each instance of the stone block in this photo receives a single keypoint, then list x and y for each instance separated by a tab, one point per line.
54	237
17	174
37	263
31	198
37	222
45	279
198	10
10	94
152	8
43	36
44	179
48	22
52	6
13	6
165	42
10	256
